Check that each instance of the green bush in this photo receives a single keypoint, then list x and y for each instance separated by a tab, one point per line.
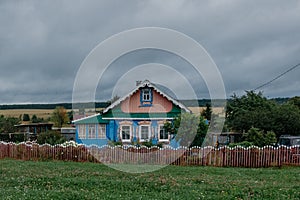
242	144
4	137
50	137
114	143
259	138
147	144
150	144
15	137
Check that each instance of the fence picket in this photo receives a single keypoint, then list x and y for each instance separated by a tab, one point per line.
202	156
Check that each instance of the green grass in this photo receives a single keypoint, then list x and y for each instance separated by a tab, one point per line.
70	180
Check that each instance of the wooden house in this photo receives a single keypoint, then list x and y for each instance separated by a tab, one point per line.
136	117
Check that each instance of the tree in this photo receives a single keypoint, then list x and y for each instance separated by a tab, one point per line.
287	120
250	110
189	129
207	112
26	117
70	115
7	124
50	137
35	119
295	101
59	116
254	110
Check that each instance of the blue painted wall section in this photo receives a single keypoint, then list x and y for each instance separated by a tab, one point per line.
112	134
88	141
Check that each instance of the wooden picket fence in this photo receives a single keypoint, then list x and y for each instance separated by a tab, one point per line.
205	156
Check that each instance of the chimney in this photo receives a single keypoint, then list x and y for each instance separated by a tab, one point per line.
138	83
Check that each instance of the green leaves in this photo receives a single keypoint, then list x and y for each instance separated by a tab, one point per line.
7	124
189	129
50	137
60	116
259	138
26	117
254	110
207	112
287	120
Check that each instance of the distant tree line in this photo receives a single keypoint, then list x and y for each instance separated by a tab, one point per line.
188	103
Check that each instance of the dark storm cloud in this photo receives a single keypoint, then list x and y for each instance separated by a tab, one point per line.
42	43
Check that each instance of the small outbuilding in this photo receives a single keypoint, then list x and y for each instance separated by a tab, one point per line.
34	128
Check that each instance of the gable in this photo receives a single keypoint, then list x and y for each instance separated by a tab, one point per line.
136	105
163	100
157	103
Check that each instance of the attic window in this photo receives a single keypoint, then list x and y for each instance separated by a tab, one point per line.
146	94
146	97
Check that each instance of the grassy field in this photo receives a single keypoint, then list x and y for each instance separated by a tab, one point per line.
42	113
46	113
69	180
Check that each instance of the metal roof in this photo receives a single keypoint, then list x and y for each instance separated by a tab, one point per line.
93	119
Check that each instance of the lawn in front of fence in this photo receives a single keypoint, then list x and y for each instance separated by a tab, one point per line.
77	180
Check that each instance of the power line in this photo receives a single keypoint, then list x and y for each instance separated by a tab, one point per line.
277	77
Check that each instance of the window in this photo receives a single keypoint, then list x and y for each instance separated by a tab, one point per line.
92	131
163	135
101	131
81	131
125	133
146	95
144	133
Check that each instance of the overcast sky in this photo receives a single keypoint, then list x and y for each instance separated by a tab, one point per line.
43	43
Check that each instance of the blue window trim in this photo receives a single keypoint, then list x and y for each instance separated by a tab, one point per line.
146	103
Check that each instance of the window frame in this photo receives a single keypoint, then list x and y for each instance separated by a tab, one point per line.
82	131
146	92
91	131
101	131
160	128
140	132
121	133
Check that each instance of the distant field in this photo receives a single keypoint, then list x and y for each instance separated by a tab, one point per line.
70	180
216	110
45	113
